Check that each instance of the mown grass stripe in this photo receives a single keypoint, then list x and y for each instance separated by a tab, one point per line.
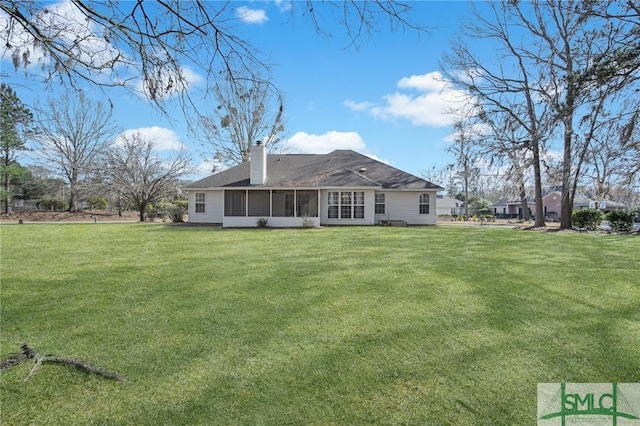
434	325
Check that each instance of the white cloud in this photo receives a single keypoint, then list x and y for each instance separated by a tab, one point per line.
358	106
431	106
430	82
423	110
251	16
382	160
305	143
207	168
552	156
284	5
191	76
472	130
165	139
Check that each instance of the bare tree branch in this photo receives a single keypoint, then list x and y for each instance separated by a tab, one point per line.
38	360
72	135
137	172
247	111
155	48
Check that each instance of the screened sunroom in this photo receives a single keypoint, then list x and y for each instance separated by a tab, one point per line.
282	207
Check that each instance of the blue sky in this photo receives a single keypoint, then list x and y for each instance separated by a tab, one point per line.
381	99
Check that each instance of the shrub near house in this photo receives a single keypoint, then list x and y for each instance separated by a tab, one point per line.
51	204
97	203
588	219
621	220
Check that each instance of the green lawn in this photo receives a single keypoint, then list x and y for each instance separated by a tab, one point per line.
365	325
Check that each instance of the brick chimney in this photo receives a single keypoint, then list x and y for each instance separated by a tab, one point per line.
258	164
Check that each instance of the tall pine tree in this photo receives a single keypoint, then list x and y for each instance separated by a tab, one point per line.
15	120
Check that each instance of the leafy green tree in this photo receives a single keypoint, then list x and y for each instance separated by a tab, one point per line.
35	182
97	202
477	205
15	119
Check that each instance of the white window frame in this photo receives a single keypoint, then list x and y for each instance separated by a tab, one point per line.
358	204
422	203
333	201
346	205
380	203
200	202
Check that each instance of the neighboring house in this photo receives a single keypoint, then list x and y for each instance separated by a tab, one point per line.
510	209
293	190
449	206
551	204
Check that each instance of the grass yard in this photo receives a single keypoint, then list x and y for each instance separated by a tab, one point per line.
365	325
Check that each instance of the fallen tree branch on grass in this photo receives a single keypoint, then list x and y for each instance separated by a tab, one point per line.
39	359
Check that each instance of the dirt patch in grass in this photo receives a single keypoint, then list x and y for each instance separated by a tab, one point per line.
501	222
83	216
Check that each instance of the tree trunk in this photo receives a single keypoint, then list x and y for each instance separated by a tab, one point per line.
73	196
539	222
73	202
566	206
142	209
466	192
524	203
7	197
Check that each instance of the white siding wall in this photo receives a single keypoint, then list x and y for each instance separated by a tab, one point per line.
214	204
448	205
399	205
404	205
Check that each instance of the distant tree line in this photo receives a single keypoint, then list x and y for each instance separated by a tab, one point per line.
78	156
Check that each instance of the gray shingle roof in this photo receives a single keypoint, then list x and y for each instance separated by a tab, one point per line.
340	168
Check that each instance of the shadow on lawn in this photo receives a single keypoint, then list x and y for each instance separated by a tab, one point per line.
290	343
351	380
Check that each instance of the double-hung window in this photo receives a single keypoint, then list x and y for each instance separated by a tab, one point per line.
334	205
358	205
423	204
200	202
380	202
346	205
